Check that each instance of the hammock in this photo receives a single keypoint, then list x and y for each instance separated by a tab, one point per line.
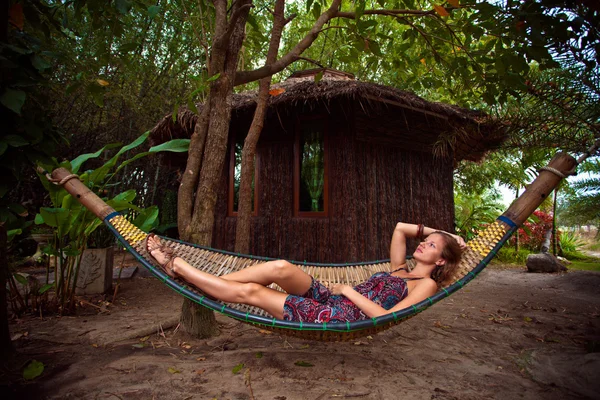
475	258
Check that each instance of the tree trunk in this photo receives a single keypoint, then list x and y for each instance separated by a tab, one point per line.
6	347
554	235
242	232
198	320
517	232
196	216
546	242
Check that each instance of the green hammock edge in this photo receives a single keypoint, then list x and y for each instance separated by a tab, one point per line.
339	327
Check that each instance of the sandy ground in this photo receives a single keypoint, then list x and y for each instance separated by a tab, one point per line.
507	335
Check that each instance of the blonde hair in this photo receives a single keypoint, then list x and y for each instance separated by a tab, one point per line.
451	253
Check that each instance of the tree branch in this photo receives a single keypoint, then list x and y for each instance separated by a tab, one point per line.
424	36
270	69
232	24
310	60
289	19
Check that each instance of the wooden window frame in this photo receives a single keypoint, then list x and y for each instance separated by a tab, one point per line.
297	150
231	191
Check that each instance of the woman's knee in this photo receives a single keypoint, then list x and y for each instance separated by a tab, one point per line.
283	269
249	292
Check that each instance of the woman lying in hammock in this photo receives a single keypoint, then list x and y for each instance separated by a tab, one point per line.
308	300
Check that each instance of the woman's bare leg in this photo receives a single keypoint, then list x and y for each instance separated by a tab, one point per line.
289	277
253	294
229	291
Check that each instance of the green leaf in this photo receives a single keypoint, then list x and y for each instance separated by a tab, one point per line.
318	77
51	251
252	21
76	163
123	6
54	217
6	216
259	354
309	5
92	227
147	219
16	140
360	9
153	11
316	10
375	49
33	370
99	174
45	288
13	99
303	364
237	368
141	346
39	219
366	25
39	63
173	370
21	279
132	159
18	209
3	147
175	145
127	195
175	109
71	251
120	205
12	233
214	77
192	106
98	99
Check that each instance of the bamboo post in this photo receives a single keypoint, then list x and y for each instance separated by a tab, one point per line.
82	193
540	188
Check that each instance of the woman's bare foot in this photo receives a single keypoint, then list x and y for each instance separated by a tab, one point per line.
162	254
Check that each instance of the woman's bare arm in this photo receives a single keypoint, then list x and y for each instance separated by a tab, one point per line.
421	291
404	231
369	308
398	244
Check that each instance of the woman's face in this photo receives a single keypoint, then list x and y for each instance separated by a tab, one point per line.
429	251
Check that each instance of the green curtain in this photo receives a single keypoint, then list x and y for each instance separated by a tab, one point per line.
313	166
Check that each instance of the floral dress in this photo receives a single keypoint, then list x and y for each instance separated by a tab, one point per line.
319	305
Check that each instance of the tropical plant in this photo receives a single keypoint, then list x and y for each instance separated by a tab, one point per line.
571	243
474	212
73	224
509	255
532	232
581	205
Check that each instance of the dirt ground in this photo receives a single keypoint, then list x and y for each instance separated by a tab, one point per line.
507	335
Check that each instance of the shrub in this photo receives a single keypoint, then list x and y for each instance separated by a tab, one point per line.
508	255
531	234
570	242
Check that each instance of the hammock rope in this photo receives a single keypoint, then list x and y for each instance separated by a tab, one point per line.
475	258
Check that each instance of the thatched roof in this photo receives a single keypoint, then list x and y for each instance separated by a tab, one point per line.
470	133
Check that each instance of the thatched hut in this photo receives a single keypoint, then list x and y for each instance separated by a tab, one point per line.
339	162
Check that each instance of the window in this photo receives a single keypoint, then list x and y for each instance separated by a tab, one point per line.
235	176
310	170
